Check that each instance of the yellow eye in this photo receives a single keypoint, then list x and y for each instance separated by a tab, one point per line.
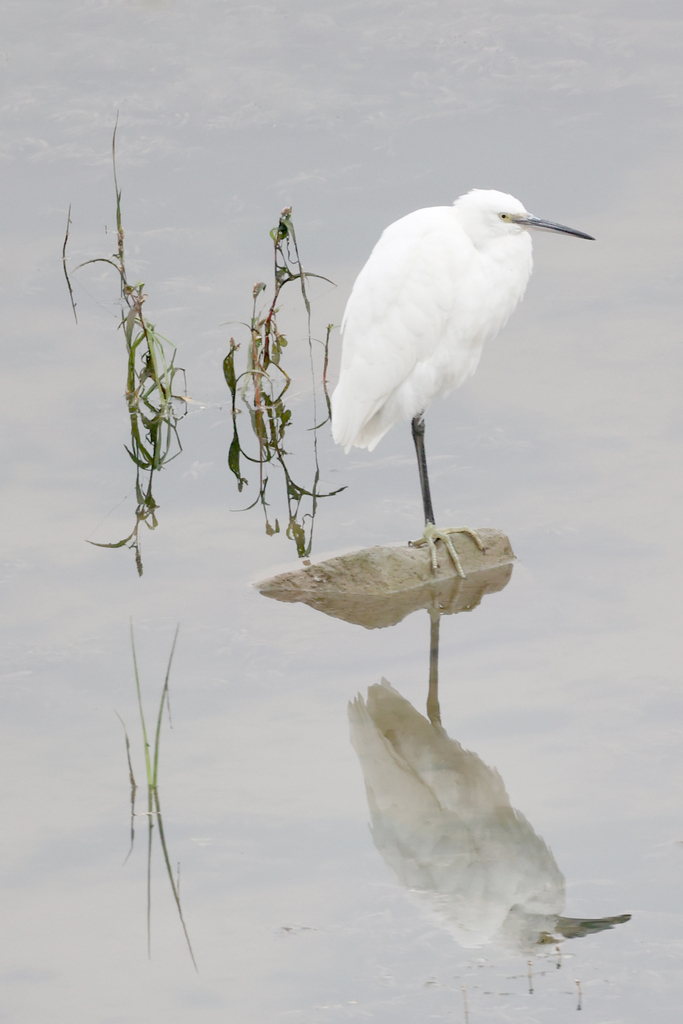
504	216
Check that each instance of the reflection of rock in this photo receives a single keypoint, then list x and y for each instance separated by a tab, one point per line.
379	586
442	821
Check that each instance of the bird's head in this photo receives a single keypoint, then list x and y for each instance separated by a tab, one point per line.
486	214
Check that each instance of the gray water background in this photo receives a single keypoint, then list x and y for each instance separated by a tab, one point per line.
568	438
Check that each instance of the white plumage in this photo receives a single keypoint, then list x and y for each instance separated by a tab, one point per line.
438	285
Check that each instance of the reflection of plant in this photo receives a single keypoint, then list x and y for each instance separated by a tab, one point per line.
153	408
153	811
267	383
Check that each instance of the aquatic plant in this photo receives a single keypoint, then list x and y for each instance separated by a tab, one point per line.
154	408
261	388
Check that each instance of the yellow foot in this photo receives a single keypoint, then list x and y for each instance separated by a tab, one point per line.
433	533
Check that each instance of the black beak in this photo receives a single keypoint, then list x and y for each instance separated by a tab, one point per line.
548	225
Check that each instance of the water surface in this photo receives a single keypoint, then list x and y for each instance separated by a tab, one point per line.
566	682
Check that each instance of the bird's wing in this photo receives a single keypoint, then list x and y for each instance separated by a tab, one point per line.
399	308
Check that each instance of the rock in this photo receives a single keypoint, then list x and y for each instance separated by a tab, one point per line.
379	586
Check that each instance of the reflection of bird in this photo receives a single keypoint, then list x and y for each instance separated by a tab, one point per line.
442	821
439	283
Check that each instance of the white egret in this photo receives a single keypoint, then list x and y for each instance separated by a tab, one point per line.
438	284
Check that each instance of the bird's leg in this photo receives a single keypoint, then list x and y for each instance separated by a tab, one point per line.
418	427
432	533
